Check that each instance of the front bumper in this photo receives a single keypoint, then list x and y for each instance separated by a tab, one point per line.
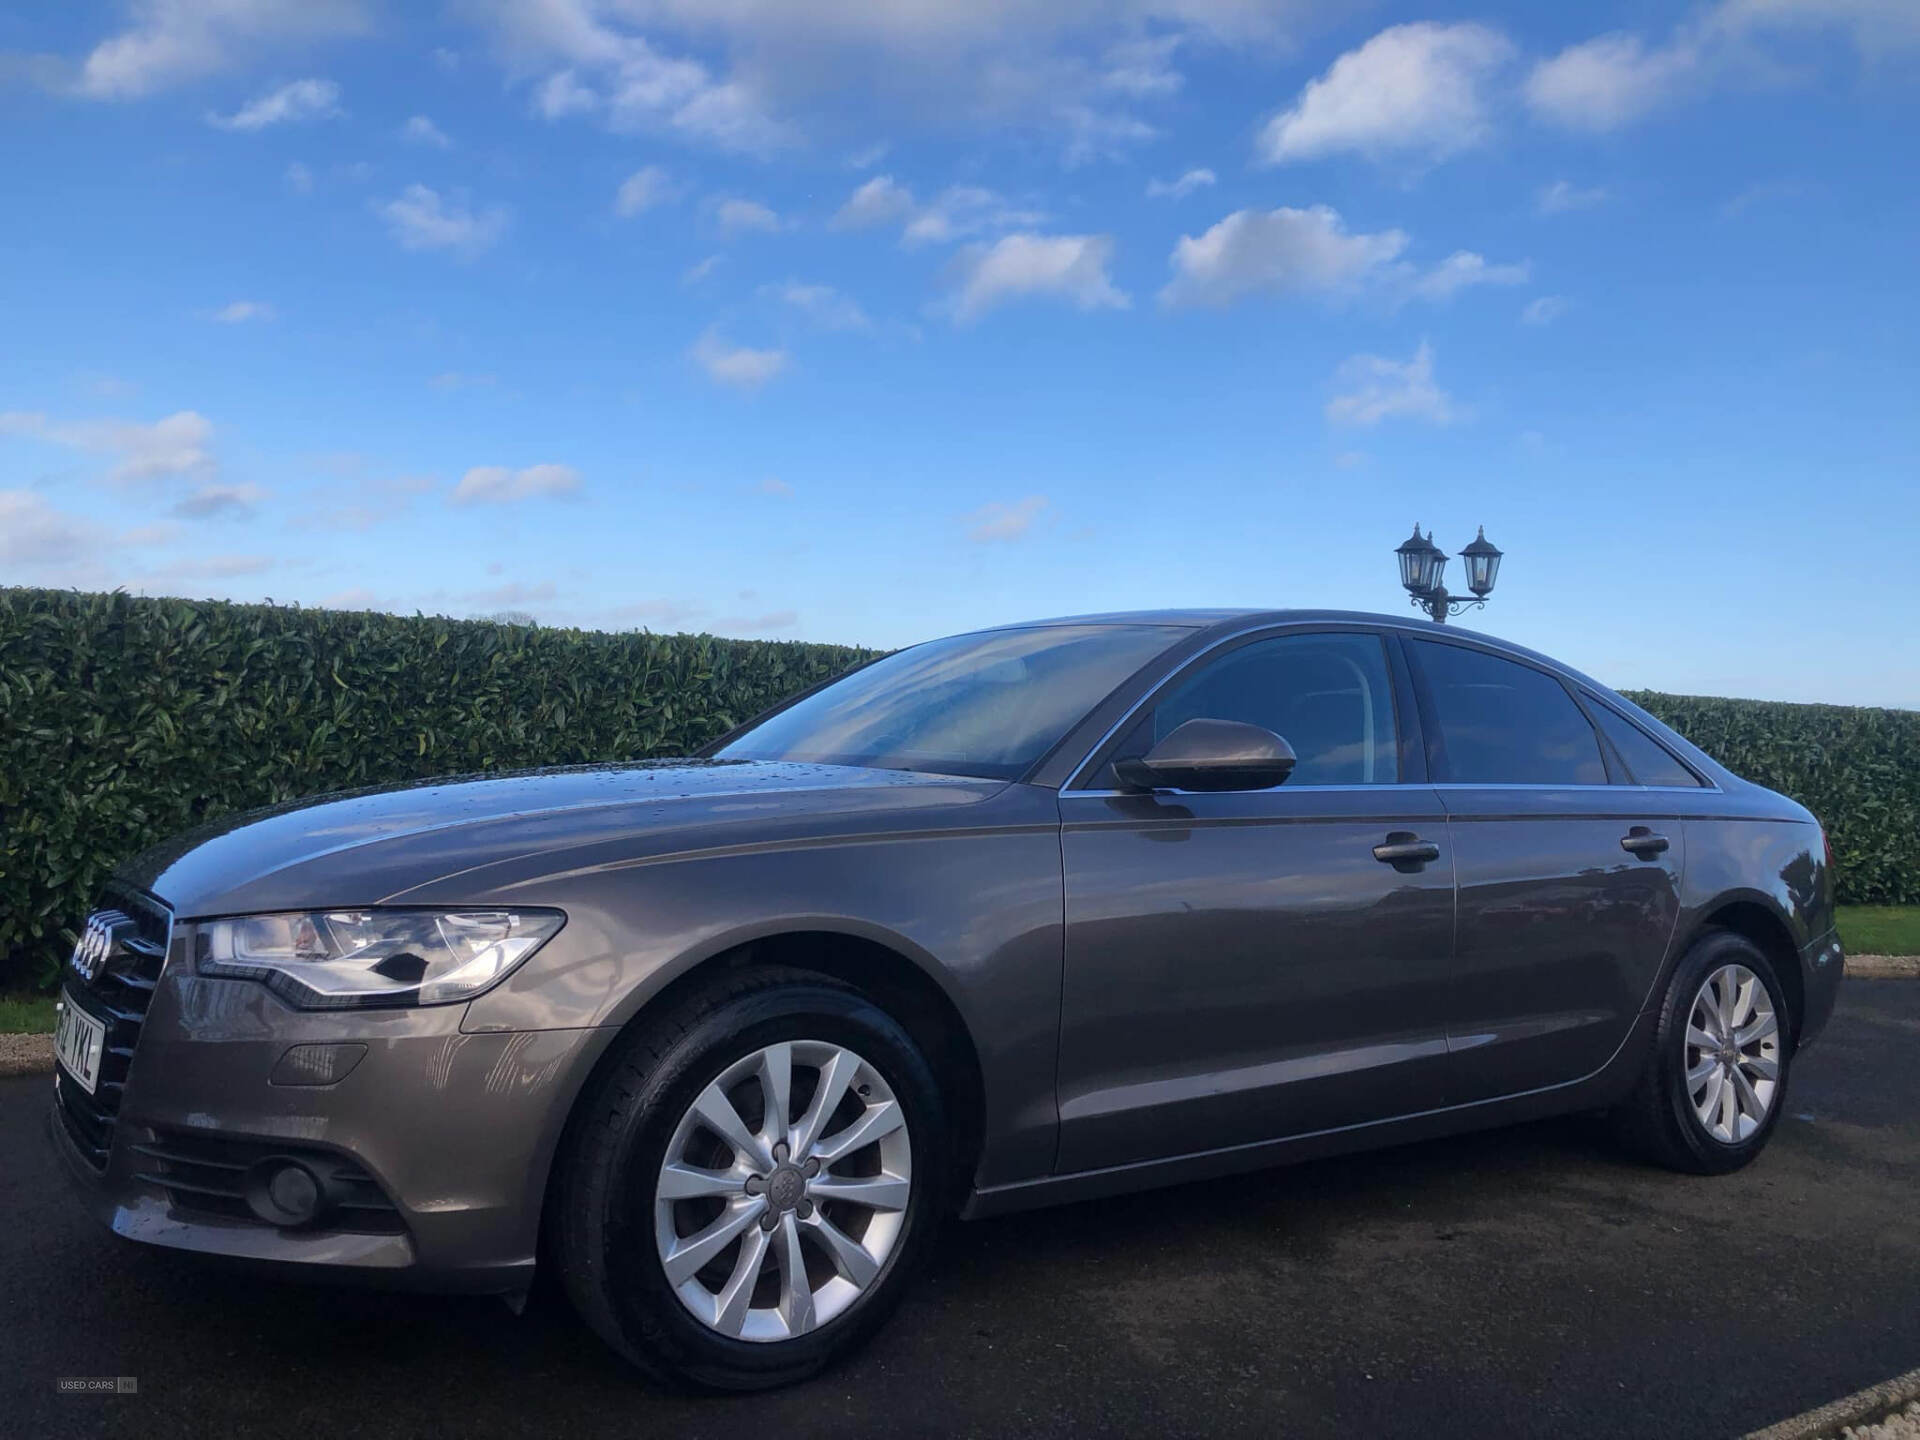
445	1138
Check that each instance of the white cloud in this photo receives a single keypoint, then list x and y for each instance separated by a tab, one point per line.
624	78
561	94
298	179
737	364
955	213
422	220
963	210
1283	251
1179	189
419	130
33	533
1874	26
1096	133
238	312
59	548
291	103
497	484
1003	521
229	501
775	486
173	41
1615	79
1077	68
1384	389
1563	195
737	216
178	445
1414	90
645	188
1069	267
822	304
1142	68
1544	310
1311	252
1603	83
701	269
1463	269
879	201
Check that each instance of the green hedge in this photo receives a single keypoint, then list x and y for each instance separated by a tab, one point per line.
123	720
1856	768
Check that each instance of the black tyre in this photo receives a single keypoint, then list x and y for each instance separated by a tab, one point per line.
751	1182
1716	1081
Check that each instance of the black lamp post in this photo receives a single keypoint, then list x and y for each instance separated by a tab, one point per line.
1422	563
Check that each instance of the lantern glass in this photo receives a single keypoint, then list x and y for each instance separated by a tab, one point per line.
1481	572
1413	560
1436	567
1483	564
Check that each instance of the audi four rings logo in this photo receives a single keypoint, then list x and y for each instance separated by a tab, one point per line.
96	942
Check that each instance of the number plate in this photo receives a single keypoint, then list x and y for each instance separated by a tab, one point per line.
79	1041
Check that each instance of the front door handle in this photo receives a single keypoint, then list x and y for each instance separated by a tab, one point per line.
1405	851
1643	842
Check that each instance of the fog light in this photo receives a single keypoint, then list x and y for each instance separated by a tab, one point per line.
284	1192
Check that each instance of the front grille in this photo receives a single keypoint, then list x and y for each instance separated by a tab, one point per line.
209	1175
112	977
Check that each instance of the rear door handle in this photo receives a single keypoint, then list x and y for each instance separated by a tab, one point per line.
1643	842
1403	849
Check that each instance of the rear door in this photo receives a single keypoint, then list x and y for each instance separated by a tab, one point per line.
1569	883
1241	966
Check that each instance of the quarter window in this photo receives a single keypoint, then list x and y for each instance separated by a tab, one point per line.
1503	723
1328	696
1646	757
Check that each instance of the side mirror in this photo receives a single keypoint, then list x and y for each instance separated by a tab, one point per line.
1210	755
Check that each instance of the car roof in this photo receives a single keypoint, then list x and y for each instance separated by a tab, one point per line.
1190	619
1237	618
1228	620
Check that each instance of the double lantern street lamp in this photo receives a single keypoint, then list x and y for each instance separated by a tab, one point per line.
1422	563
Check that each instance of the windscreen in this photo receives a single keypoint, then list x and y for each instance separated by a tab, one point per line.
988	704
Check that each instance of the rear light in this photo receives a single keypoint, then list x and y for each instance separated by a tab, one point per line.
1826	843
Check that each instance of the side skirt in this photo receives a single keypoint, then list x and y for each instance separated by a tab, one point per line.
1604	1087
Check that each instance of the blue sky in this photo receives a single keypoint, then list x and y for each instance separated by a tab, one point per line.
869	323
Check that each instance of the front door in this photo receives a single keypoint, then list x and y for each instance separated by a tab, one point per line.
1242	967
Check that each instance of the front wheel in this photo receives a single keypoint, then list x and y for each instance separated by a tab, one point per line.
753	1181
1713	1088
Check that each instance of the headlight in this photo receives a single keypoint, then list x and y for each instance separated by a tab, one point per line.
337	959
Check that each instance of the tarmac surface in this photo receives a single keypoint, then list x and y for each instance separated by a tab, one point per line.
1532	1281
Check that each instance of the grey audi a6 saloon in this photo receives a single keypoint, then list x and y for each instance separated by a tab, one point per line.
1041	913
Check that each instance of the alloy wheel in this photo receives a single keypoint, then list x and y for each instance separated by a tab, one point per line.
783	1191
1733	1054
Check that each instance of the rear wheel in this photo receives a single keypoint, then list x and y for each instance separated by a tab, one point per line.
1713	1088
752	1182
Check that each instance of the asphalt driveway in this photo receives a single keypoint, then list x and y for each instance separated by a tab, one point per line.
1526	1282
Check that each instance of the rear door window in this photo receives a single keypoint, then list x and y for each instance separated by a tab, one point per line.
1646	757
1504	723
